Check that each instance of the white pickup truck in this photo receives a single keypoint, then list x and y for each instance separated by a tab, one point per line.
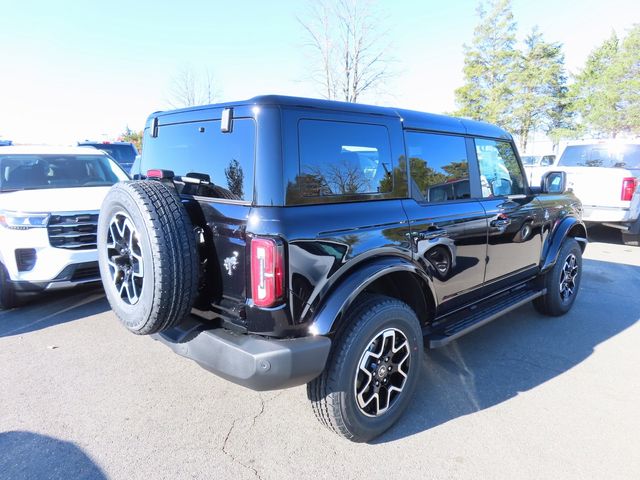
605	176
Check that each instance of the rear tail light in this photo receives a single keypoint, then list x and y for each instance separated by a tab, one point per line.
629	185
267	272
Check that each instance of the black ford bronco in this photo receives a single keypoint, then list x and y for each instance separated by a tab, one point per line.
284	241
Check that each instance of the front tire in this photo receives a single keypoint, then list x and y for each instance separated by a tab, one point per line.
562	281
7	292
372	370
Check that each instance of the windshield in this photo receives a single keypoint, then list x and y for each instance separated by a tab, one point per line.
529	160
29	172
123	154
601	155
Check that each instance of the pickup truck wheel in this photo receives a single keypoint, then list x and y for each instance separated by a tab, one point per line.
147	255
562	281
372	370
631	239
7	292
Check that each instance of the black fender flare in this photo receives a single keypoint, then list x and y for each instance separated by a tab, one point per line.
553	244
343	295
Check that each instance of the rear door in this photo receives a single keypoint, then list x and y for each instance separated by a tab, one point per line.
219	207
447	222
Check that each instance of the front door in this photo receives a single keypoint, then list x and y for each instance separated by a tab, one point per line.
513	214
448	225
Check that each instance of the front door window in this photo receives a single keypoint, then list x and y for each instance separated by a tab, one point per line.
500	172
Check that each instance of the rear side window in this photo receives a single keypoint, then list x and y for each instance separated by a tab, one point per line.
500	172
343	159
438	166
201	148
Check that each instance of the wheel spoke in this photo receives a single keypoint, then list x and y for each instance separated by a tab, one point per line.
382	372
568	275
124	258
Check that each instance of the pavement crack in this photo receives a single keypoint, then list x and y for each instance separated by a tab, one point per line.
228	453
255	417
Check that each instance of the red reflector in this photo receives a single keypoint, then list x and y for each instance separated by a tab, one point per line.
629	185
267	277
154	173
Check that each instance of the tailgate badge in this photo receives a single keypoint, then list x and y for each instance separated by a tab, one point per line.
231	263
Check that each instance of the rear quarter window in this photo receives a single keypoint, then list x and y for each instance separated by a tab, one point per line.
200	147
341	161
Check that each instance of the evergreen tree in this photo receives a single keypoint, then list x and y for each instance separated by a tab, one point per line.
489	62
235	178
539	89
607	90
628	74
131	136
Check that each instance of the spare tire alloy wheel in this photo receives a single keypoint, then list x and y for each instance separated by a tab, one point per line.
124	256
382	373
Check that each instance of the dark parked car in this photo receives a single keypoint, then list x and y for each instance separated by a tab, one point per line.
122	152
285	241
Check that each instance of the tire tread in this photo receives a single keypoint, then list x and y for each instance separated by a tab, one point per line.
174	253
325	400
8	298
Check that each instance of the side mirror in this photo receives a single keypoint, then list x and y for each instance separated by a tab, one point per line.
554	182
545	162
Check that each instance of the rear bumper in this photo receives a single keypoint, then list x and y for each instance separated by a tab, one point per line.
596	214
255	362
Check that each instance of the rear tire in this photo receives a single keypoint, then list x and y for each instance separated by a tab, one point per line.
631	239
562	281
7	292
343	397
147	255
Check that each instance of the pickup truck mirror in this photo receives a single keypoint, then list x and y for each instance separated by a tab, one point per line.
554	182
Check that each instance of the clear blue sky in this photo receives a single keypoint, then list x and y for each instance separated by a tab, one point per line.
75	70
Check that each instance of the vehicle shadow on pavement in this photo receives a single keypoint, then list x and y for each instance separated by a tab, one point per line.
520	351
31	455
46	310
602	234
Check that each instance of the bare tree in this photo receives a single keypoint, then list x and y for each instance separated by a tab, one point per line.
189	88
351	54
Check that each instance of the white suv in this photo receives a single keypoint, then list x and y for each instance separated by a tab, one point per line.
49	203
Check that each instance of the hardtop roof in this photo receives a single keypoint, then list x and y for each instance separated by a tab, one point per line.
411	119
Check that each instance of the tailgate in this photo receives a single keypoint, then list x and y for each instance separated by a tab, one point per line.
597	186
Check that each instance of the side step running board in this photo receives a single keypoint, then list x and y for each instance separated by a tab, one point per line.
470	320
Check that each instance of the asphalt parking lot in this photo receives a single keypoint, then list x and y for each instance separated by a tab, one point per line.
524	397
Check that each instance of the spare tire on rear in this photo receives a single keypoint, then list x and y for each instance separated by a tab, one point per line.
147	255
